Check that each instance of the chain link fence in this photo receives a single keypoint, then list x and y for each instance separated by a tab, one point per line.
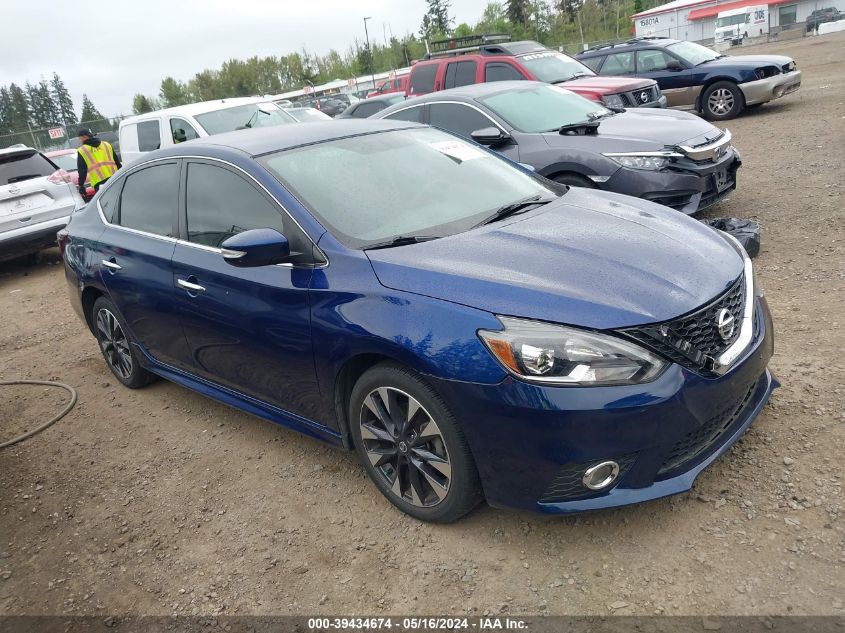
61	136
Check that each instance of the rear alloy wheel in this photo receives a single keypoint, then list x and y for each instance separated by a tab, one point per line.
411	447
723	100
116	346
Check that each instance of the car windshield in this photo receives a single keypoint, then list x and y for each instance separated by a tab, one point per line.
693	53
308	114
417	182
731	20
65	161
553	67
542	108
243	116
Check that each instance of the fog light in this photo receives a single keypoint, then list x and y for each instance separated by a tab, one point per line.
601	475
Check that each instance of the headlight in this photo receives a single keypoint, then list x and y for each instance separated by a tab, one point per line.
650	161
613	101
561	355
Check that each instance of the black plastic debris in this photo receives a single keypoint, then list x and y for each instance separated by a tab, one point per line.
746	232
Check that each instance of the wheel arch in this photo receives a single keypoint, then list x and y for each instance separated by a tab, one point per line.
89	296
709	82
345	380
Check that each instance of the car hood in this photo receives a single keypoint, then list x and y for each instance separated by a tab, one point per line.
751	61
592	259
609	85
642	129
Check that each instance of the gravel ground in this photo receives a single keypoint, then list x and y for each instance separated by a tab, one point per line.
161	501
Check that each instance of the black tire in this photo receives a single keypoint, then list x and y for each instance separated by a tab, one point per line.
115	345
574	180
721	101
410	457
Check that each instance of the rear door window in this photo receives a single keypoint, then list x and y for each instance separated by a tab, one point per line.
414	115
108	201
458	119
149	135
499	71
422	79
619	64
460	74
149	199
24	166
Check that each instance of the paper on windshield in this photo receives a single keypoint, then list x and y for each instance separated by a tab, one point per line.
458	150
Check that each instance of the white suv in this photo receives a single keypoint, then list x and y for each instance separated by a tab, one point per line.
36	200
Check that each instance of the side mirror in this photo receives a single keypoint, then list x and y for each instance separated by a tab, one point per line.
674	65
258	247
490	136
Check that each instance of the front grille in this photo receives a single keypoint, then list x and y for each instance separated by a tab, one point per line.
693	341
697	442
634	98
567	484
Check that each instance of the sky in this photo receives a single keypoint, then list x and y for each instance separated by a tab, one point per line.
113	50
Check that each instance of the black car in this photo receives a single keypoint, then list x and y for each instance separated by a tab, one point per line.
670	157
368	107
693	77
820	16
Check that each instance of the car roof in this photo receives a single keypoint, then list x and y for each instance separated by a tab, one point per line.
642	42
470	92
193	109
17	148
264	140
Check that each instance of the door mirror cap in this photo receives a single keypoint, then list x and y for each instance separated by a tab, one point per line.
490	136
258	247
674	65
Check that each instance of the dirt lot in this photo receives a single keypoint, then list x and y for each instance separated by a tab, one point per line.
161	501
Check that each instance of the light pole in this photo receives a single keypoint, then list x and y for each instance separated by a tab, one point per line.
370	51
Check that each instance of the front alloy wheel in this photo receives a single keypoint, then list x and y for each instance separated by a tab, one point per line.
723	100
405	446
411	446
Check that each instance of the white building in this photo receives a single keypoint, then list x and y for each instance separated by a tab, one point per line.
695	20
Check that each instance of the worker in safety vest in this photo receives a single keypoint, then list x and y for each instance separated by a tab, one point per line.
95	160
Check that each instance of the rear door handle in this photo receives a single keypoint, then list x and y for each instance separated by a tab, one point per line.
192	288
112	265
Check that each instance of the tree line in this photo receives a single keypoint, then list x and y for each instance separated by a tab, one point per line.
568	23
27	111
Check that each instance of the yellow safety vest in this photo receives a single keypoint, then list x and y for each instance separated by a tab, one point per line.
99	160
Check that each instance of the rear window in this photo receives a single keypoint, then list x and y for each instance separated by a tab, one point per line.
422	79
24	166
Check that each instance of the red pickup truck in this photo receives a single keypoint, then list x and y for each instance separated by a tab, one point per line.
482	58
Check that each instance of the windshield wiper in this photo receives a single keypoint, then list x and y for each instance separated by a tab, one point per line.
575	75
710	60
520	206
401	240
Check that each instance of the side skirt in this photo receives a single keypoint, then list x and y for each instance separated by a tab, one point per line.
241	401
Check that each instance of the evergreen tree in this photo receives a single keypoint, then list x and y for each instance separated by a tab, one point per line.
61	97
51	112
436	20
5	111
518	11
19	108
89	111
638	6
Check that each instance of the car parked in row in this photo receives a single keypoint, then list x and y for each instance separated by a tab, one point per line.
479	59
391	86
36	200
368	107
306	115
471	329
674	158
65	159
821	16
164	128
693	77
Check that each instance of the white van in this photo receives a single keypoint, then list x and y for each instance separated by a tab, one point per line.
153	130
736	24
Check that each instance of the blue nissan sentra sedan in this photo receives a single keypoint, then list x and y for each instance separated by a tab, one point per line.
472	330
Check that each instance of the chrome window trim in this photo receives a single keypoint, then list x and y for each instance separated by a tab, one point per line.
746	332
138	166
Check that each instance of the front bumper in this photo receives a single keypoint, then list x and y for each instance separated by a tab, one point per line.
687	187
774	87
529	440
30	238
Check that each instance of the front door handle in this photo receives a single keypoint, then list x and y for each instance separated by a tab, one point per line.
192	288
112	265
